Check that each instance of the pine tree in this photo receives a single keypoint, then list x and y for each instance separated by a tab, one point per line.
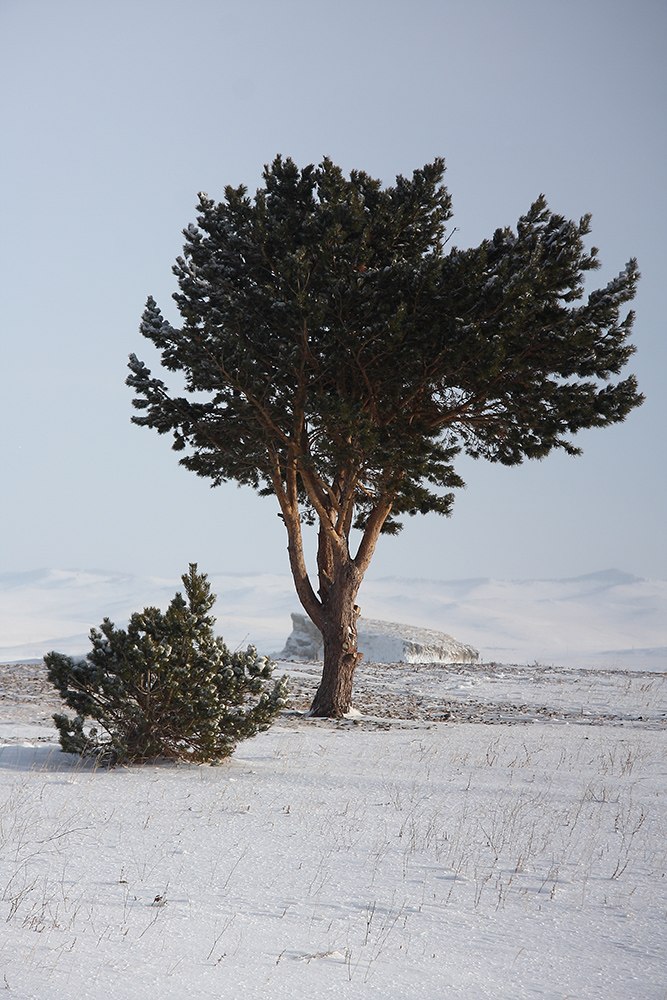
166	687
338	355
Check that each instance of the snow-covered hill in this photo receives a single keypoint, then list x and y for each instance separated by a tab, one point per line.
608	619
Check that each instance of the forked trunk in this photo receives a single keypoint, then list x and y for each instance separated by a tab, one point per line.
334	611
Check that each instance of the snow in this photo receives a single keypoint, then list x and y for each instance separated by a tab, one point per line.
55	609
471	831
383	641
603	620
356	858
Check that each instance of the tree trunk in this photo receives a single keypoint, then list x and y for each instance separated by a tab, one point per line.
339	633
334	611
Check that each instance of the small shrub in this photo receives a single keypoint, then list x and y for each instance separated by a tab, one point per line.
166	687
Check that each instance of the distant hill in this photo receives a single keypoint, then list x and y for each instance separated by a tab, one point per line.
605	619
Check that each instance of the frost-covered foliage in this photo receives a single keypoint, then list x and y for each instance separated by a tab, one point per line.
166	687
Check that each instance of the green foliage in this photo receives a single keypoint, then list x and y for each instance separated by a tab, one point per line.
327	323
166	687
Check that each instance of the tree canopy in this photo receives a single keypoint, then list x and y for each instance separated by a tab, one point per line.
338	354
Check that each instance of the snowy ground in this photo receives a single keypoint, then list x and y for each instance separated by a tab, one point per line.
522	855
493	830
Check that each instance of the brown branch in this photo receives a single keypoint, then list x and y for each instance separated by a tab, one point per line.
371	534
290	514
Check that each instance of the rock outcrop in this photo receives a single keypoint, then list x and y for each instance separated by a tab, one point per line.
381	642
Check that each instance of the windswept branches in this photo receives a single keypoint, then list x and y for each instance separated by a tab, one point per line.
339	353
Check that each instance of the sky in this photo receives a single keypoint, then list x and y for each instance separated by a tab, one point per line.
115	115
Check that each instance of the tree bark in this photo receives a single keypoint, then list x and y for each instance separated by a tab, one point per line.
341	656
333	609
339	582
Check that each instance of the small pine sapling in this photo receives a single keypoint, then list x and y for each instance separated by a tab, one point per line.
167	687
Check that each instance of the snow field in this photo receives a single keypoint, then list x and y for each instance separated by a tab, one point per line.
457	861
603	620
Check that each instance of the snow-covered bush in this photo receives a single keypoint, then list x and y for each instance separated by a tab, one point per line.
166	687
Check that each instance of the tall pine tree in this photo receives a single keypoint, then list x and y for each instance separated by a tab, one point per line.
339	355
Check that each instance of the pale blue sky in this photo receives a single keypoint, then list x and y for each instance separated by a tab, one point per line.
115	114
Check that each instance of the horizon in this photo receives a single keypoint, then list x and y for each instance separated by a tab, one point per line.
610	619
